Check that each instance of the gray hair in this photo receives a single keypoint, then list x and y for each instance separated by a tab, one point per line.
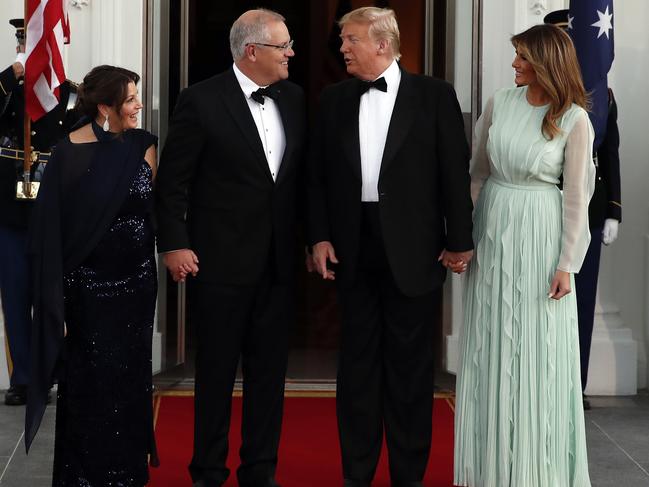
250	27
383	25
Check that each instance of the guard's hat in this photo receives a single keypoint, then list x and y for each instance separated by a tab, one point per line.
19	24
558	18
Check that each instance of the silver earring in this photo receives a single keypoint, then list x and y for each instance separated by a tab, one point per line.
106	125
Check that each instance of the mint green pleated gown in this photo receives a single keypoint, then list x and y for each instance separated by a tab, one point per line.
519	416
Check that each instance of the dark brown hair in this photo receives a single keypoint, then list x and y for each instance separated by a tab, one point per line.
105	85
552	54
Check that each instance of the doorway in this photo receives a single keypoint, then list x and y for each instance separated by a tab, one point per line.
198	48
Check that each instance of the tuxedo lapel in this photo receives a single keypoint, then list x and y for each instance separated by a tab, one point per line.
236	103
405	107
288	122
349	127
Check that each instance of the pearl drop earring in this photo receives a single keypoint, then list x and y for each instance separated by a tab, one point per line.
106	125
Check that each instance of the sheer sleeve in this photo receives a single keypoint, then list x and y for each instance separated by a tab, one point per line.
479	169
578	187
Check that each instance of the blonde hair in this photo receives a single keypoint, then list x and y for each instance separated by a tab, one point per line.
383	25
552	54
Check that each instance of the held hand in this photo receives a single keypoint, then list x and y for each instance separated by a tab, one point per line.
560	285
181	263
609	234
456	261
323	252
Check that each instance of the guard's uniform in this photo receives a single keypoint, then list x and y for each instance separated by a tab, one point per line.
605	203
14	214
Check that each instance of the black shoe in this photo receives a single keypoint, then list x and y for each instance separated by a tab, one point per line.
16	395
355	483
586	402
410	483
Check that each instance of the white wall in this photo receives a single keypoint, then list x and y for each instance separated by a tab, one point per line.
103	32
463	59
11	9
627	261
501	20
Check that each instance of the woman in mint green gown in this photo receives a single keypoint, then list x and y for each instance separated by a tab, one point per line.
519	416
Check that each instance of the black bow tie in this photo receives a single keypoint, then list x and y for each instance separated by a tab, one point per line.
259	95
379	84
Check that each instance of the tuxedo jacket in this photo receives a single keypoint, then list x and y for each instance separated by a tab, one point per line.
424	185
214	190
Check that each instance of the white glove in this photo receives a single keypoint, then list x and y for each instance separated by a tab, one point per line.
609	234
21	58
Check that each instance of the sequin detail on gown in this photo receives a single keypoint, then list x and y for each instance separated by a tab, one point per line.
104	404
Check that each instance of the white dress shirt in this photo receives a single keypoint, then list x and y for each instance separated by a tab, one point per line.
374	116
268	121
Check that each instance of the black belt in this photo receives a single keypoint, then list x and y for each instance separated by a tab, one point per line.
36	156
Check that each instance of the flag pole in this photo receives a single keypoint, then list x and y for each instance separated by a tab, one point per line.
27	129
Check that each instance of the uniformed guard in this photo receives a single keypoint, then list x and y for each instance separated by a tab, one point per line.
604	215
15	212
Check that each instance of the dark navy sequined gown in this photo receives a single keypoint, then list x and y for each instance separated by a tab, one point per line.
104	406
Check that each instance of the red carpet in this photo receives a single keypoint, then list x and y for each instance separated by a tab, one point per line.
309	455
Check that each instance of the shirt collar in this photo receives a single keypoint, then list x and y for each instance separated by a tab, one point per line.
392	77
247	85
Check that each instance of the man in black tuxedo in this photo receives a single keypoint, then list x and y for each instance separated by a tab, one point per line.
226	204
389	206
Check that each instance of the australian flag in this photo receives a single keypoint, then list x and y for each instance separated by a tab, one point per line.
590	24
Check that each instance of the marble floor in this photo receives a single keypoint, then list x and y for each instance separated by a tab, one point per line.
617	430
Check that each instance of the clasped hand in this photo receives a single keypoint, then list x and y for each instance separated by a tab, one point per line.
456	261
181	263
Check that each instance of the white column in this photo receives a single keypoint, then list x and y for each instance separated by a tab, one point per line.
117	34
612	369
643	368
454	315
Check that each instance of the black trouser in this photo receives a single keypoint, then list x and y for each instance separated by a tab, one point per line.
385	373
16	300
250	322
586	293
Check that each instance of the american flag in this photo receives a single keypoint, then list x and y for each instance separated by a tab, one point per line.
47	29
590	24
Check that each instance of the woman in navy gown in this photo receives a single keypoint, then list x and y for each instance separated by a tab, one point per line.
94	272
